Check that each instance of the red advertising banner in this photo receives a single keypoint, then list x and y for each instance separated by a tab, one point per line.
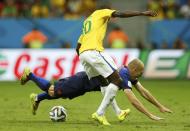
50	64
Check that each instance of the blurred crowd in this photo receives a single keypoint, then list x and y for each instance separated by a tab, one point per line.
177	44
75	9
170	9
69	9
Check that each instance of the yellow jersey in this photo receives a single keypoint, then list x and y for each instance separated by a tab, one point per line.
94	29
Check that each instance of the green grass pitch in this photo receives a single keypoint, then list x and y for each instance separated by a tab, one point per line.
15	114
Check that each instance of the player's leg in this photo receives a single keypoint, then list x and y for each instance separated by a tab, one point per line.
45	96
34	103
25	76
87	62
121	114
40	82
110	94
37	98
107	68
104	84
102	65
115	107
43	84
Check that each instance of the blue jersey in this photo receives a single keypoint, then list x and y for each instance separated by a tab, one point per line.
77	85
127	82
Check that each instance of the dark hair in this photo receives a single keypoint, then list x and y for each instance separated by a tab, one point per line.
117	28
104	7
35	28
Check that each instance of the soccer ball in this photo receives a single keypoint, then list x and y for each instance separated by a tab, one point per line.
58	114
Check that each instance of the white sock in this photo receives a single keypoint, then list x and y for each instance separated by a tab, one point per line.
115	107
103	90
110	93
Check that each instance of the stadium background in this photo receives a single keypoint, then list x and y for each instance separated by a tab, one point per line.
161	43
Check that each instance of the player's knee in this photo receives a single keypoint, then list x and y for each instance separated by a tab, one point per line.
115	78
117	82
51	91
103	81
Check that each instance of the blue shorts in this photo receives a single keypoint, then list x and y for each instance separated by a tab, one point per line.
74	86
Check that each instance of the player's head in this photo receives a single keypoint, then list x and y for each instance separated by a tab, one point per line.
104	7
35	28
136	68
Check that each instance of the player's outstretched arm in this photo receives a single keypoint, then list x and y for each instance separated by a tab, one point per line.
148	96
139	106
127	14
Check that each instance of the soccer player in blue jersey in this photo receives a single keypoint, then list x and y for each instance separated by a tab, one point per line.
79	84
69	87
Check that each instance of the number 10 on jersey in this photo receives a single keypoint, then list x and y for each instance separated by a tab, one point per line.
87	26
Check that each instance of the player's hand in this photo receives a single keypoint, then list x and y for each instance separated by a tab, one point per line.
164	109
150	13
156	118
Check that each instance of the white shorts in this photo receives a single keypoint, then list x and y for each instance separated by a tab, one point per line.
97	63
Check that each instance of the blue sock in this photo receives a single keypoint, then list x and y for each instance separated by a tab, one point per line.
44	96
40	82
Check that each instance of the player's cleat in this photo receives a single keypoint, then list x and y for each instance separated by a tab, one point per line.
101	119
24	78
124	113
34	103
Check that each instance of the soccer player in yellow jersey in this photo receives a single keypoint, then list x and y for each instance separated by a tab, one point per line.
96	62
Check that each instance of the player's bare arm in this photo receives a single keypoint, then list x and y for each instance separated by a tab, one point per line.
148	96
138	105
127	14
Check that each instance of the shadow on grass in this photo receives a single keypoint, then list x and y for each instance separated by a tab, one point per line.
151	123
68	122
79	123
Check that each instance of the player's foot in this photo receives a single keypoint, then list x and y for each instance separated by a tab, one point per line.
34	103
24	78
101	119
124	113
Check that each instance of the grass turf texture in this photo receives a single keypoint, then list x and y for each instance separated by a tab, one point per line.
15	113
